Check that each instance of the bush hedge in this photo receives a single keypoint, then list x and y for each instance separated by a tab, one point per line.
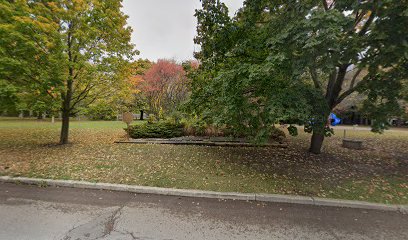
162	129
171	129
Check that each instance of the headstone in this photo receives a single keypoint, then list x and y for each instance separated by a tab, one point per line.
353	144
127	117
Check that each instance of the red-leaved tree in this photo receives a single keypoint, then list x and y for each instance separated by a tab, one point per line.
165	86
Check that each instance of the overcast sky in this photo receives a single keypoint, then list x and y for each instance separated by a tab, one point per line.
165	28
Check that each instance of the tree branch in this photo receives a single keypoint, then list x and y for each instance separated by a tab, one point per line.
326	7
359	17
87	88
348	92
81	97
39	82
369	21
332	80
333	93
353	80
332	4
315	78
31	36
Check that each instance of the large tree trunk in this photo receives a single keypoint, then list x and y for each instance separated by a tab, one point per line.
333	91
66	112
316	142
67	94
65	127
141	114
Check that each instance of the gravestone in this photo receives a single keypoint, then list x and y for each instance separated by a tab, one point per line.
127	117
353	144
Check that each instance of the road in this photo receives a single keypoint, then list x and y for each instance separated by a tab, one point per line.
32	212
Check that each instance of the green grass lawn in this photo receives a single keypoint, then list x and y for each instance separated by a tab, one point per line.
378	173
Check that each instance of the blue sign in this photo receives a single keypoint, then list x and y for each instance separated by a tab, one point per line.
334	120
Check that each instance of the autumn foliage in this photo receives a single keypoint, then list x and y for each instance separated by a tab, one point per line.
164	86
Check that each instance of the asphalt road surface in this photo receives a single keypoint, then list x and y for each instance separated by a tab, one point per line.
31	212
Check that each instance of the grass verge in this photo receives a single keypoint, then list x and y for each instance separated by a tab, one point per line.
377	174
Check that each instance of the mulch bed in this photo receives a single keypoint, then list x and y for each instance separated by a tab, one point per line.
202	141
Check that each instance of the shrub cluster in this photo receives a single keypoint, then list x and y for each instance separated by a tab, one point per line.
100	111
194	127
163	129
171	129
277	135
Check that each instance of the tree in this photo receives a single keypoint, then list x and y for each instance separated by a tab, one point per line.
288	60
165	86
137	70
121	96
28	53
8	96
71	50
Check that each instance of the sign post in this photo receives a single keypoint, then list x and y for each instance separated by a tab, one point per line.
127	117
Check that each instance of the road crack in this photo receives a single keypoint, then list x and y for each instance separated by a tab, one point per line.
98	228
110	224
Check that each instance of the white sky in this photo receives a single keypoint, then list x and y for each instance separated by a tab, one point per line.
166	28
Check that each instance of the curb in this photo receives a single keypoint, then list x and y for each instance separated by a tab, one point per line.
275	198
